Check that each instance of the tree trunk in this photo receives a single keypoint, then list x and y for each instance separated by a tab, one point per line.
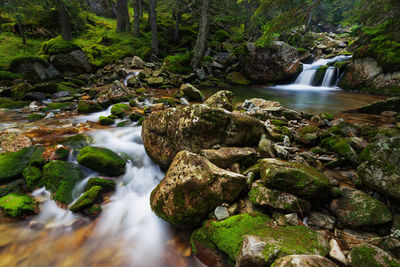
178	19
21	31
141	8
153	23
309	19
123	24
136	18
64	21
202	37
248	16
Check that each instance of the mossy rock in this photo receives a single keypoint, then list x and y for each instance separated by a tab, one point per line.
33	177
279	122
344	129
366	255
237	78
12	104
93	196
16	62
233	235
102	160
308	135
12	164
17	205
106	120
77	141
390	104
120	110
58	45
60	178
60	106
48	87
107	185
169	101
326	116
179	63
88	106
298	179
35	117
357	209
8	76
342	146
20	90
319	76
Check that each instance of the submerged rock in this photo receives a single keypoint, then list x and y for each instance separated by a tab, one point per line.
17	205
250	241
301	180
192	188
102	160
194	128
357	209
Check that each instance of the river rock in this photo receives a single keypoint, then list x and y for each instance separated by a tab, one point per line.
74	61
357	209
137	63
35	69
13	142
276	200
301	180
102	160
221	213
322	220
390	104
336	252
18	205
88	106
226	156
118	92
192	92
381	170
276	62
266	148
60	178
192	188
221	99
92	196
194	128
368	255
12	164
303	261
308	135
250	241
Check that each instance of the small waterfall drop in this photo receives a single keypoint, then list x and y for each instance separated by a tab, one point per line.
329	76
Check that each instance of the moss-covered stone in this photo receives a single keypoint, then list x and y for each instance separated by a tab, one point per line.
344	129
77	141
120	110
237	78
17	205
370	256
93	196
279	122
6	76
12	104
18	186
357	209
33	177
105	184
12	164
35	117
390	104
232	236
106	120
308	135
102	160
60	178
58	45
20	90
319	76
88	106
342	146
301	180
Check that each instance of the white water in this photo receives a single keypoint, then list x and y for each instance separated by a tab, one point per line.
330	74
127	220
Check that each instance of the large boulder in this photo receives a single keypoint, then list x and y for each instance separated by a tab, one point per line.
192	188
13	163
276	62
221	99
390	104
303	261
194	128
368	255
366	74
381	171
74	61
357	209
102	160
299	179
18	205
34	68
226	156
249	240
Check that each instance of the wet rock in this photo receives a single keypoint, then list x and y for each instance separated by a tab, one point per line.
118	92
276	200
192	92
336	252
194	128
292	219
342	146
106	184
192	188
77	141
155	81
221	99
301	180
60	178
266	148
88	106
74	61
184	101
237	78
322	220
381	170
17	205
13	142
390	104
307	135
226	156
276	62
106	120
120	110
303	261
368	255
92	196
12	164
250	241
281	152
102	160
352	237
221	213
357	209
137	63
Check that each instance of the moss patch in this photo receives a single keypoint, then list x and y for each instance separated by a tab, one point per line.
12	164
17	205
102	160
88	199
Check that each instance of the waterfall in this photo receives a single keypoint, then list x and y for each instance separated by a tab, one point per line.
329	76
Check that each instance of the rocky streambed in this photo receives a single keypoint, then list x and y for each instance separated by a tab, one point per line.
247	184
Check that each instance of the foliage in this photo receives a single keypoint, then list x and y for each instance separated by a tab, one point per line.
58	46
179	63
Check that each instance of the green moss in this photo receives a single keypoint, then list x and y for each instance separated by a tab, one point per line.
12	104
48	87
319	75
37	159
33	177
88	106
19	91
77	141
88	199
26	60
106	120
179	63
6	76
35	117
120	110
167	101
199	236
102	160
18	186
237	78
60	177
221	35
341	146
368	256
59	106
107	185
94	210
326	116
17	205
58	45
12	164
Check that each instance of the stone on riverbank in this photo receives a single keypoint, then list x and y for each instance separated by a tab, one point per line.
102	160
17	205
12	164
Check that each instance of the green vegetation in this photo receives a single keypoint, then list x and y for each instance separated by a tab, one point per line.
88	199
102	160
179	63
58	46
12	164
17	205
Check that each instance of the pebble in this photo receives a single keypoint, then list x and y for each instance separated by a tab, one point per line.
292	219
221	213
336	253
